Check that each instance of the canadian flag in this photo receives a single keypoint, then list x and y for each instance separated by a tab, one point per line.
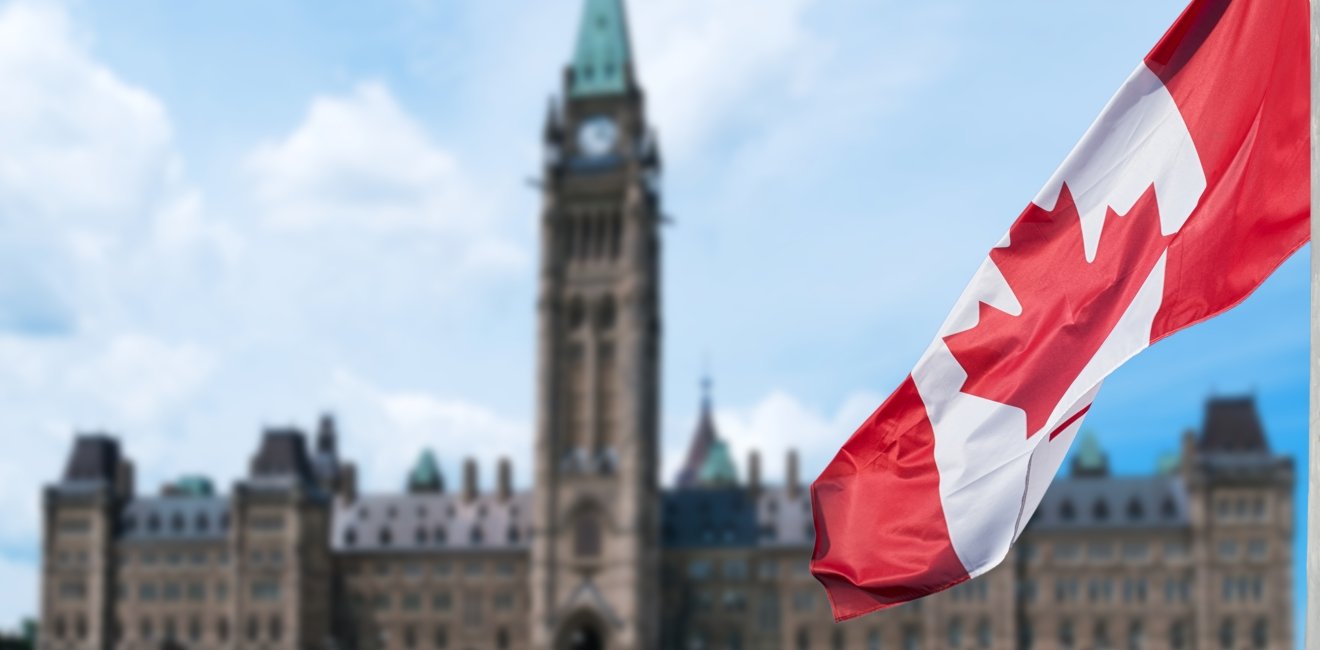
1185	194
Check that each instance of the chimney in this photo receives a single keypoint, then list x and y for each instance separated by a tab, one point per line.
347	482
791	474
327	435
124	480
505	479
469	479
754	471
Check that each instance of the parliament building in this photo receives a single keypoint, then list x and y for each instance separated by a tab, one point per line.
597	555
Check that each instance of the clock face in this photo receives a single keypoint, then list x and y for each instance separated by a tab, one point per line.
596	136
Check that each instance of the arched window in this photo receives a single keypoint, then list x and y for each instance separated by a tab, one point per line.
145	630
441	638
195	629
837	639
873	639
1227	634
275	628
1260	634
586	536
1136	635
1100	510
1178	635
513	535
1100	637
605	313
955	633
1135	511
1168	508
1067	637
253	628
153	522
912	636
410	637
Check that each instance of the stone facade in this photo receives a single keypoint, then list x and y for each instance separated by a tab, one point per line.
1197	555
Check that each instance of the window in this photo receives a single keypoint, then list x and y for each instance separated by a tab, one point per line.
441	535
1100	636
1067	636
502	639
442	601
1135	551
1257	549
911	637
1178	635
699	569
984	634
441	637
420	536
253	628
1067	511
735	569
1026	635
504	601
1227	634
146	592
145	630
265	591
955	633
803	639
1135	511
873	639
412	602
804	601
1136	635
837	639
275	627
476	536
1100	510
473	568
1260	634
222	630
409	637
443	569
505	569
586	536
195	629
412	571
1228	549
385	536
196	592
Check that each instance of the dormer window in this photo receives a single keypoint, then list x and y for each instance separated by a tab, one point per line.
1135	511
1168	508
350	537
421	536
513	534
1100	510
153	522
386	537
1067	511
476	536
202	523
440	535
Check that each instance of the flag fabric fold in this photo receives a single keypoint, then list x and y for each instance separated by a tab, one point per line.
1187	191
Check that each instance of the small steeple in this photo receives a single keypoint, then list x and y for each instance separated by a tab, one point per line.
425	475
1090	461
602	60
705	443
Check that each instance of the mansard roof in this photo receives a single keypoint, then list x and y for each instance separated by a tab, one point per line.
1232	424
735	517
175	519
95	458
431	522
1113	502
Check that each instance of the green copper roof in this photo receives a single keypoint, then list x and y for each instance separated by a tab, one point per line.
193	486
1090	459
601	59
425	473
718	468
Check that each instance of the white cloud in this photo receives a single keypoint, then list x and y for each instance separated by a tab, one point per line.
361	160
75	140
19	595
414	420
775	424
137	377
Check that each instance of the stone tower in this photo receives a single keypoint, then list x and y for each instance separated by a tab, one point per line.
595	558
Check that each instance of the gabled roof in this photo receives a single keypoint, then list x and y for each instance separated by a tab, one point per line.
603	55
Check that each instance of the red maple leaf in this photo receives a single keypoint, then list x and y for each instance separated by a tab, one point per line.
1069	305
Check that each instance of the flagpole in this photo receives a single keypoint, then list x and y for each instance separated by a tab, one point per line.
1313	482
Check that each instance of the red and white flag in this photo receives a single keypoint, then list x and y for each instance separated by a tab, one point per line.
1190	188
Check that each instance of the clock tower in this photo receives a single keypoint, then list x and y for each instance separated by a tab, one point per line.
595	555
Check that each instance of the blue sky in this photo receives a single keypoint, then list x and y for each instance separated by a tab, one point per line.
218	217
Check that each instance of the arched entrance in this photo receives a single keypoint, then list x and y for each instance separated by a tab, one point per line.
582	631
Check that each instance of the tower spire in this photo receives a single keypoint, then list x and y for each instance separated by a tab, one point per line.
602	59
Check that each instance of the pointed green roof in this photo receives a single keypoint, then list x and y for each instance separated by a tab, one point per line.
1090	459
425	474
718	469
602	56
